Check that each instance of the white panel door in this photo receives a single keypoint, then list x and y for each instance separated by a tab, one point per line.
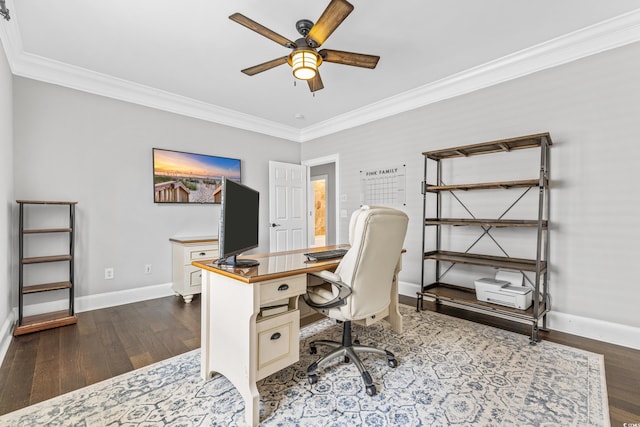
287	206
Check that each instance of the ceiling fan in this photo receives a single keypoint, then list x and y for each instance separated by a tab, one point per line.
304	58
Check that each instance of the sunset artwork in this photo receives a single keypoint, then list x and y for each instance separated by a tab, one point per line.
180	177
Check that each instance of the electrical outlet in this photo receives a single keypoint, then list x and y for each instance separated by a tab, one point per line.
109	273
147	269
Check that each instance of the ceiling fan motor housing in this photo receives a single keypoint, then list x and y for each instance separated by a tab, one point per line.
304	26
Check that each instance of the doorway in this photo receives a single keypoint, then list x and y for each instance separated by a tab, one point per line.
319	186
323	184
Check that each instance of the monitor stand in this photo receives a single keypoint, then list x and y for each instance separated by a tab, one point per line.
232	261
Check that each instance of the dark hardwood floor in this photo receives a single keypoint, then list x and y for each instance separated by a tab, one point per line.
109	342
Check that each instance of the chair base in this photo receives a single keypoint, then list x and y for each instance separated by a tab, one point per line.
348	350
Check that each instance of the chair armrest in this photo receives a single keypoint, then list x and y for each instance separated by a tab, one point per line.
343	291
328	276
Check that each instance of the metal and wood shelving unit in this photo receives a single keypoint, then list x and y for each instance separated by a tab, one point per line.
537	267
41	322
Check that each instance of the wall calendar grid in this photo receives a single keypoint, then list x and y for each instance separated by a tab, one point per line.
383	186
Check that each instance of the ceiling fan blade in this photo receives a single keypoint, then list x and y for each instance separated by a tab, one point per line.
315	83
262	30
332	16
349	58
265	66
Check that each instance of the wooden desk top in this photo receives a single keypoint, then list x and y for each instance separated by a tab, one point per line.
274	265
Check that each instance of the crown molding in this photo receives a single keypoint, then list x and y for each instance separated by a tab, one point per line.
616	32
50	71
606	35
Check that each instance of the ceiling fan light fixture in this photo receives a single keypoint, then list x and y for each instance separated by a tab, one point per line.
304	63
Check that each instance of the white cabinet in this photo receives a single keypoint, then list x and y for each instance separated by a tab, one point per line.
187	279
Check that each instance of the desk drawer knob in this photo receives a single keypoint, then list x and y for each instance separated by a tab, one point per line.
283	287
276	336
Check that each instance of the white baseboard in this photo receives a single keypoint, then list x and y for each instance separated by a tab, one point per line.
111	299
6	333
104	300
613	333
408	289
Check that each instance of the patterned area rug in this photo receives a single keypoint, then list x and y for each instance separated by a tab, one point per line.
451	372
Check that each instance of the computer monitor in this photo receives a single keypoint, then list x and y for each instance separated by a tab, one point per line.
239	221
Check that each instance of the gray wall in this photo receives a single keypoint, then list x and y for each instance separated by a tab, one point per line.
591	108
6	191
71	145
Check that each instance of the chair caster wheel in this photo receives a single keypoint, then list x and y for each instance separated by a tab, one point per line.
346	359
313	350
313	378
371	390
356	342
393	363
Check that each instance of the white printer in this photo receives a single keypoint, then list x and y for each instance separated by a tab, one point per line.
506	289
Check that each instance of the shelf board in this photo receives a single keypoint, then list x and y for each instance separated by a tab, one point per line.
485	260
43	287
41	322
503	145
44	202
467	296
523	183
40	259
485	222
47	230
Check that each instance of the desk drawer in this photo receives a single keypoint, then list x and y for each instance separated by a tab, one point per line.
287	287
278	342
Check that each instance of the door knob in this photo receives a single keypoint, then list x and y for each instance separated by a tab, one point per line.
275	225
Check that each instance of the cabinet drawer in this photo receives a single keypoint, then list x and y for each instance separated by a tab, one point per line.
196	253
195	278
287	287
278	342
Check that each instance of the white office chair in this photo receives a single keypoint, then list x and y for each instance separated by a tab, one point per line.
361	285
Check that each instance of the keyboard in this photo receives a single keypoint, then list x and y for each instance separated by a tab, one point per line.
321	255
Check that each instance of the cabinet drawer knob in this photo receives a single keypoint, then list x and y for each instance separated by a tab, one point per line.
283	287
276	336
203	253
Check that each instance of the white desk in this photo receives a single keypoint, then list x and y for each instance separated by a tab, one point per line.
241	345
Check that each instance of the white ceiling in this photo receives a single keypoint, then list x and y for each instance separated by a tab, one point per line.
186	56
